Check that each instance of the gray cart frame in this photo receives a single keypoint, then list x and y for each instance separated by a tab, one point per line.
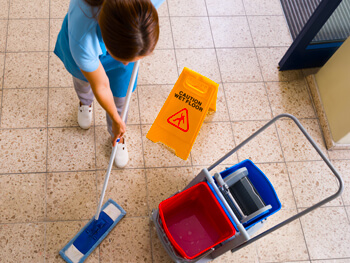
243	237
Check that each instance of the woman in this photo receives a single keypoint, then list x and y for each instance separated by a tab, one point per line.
98	43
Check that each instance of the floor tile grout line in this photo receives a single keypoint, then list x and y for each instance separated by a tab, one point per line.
320	127
95	148
47	133
48	103
297	208
286	22
176	48
45	240
212	48
165	84
239	121
173	41
251	35
323	206
43	18
302	228
243	47
309	94
153	167
155	84
28	18
144	171
246	15
149	124
290	184
145	216
142	216
268	98
27	51
96	171
276	129
310	260
342	159
347	212
176	59
75	171
146	177
341	196
58	127
54	172
177	16
285	164
3	72
61	220
315	112
178	74
221	81
27	88
164	49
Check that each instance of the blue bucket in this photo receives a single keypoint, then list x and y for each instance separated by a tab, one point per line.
261	184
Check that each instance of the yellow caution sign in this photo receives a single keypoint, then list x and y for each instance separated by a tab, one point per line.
181	117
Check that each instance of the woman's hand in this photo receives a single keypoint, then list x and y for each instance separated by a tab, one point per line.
118	129
100	86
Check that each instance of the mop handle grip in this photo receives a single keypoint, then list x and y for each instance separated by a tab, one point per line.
114	148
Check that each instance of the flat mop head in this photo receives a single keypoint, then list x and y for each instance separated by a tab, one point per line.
92	234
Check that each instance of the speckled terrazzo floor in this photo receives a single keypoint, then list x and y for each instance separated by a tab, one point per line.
51	171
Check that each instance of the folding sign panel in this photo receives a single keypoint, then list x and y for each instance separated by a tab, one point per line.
181	117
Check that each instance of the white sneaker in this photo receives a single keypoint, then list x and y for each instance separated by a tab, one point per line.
85	116
122	155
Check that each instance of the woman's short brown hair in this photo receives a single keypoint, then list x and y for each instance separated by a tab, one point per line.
130	28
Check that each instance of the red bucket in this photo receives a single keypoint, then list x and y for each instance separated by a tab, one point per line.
194	221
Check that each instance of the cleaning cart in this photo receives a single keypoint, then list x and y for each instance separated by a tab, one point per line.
215	214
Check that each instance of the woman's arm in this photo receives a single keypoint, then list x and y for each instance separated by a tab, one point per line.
100	86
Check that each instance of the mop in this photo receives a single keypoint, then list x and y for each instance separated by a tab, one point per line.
92	234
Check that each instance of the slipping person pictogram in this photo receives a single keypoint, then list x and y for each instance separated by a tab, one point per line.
180	120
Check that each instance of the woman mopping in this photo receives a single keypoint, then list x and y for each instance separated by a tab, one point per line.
98	44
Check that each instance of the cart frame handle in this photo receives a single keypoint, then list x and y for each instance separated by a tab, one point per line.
300	214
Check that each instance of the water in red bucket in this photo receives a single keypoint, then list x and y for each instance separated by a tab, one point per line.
194	221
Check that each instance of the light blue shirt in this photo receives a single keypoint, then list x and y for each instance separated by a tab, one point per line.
80	45
84	41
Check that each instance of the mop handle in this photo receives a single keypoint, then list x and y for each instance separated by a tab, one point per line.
114	148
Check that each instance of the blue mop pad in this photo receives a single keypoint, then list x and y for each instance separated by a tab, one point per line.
82	245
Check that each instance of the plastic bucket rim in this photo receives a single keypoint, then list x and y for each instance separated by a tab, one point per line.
230	227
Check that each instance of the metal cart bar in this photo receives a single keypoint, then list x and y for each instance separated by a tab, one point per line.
243	236
296	216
